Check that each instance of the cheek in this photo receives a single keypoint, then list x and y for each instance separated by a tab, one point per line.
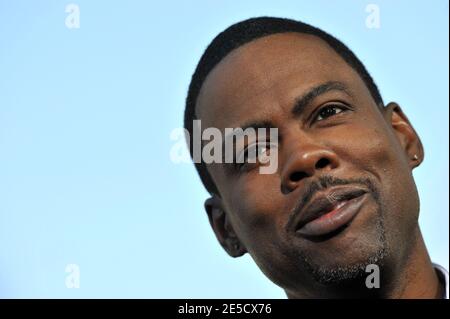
259	211
377	152
374	150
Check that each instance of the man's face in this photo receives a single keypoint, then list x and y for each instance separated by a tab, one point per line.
340	156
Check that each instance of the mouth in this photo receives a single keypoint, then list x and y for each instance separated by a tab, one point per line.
330	212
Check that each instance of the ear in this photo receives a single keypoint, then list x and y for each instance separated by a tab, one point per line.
220	223
407	136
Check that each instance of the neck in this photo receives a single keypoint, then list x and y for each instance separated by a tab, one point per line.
417	278
414	278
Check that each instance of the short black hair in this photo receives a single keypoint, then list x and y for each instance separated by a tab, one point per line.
244	32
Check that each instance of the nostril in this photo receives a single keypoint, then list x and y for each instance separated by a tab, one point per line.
296	176
322	163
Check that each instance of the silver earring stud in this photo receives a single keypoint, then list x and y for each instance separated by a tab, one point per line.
415	157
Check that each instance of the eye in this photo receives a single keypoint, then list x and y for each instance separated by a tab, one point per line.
328	111
256	153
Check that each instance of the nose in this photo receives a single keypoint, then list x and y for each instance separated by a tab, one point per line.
306	161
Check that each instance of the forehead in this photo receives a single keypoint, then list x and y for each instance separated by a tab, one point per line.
265	75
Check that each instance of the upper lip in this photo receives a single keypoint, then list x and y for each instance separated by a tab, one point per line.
323	202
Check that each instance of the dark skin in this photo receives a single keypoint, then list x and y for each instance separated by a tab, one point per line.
338	132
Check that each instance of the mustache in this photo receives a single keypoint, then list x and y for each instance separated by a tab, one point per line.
326	181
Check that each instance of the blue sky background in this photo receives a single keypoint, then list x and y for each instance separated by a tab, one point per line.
85	120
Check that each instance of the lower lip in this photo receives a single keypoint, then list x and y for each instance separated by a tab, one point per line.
333	220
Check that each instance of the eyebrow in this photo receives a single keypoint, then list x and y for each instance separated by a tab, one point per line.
301	102
298	108
252	124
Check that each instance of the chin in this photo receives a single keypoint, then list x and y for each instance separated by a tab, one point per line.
344	258
338	272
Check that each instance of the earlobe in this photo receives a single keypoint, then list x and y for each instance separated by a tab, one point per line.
220	223
405	133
